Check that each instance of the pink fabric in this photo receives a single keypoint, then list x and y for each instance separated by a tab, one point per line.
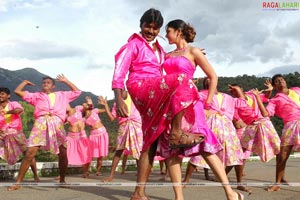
261	138
175	65
284	107
134	114
291	135
42	105
99	142
76	117
227	108
130	134
48	132
160	99
78	150
139	59
246	112
93	118
12	146
16	121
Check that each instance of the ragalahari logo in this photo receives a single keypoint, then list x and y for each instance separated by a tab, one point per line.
281	6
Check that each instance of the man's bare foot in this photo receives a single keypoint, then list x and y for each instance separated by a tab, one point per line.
57	178
108	179
85	175
64	185
139	198
273	188
14	187
209	178
98	173
184	184
284	182
36	179
244	188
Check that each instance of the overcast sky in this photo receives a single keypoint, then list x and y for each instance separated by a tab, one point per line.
79	38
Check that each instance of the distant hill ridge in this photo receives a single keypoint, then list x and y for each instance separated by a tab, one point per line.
11	79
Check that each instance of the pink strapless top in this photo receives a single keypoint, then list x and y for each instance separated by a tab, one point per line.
179	64
76	117
93	118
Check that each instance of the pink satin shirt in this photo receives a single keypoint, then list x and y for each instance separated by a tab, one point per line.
137	58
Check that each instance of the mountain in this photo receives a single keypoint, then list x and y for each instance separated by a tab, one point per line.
11	79
281	70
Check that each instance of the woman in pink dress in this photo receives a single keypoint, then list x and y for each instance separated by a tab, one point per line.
286	105
99	139
78	148
184	59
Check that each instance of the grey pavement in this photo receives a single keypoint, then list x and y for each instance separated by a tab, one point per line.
257	175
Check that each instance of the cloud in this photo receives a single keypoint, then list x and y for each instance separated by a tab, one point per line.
39	49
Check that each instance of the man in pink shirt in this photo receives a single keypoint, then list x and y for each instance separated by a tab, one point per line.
158	98
286	105
13	142
48	131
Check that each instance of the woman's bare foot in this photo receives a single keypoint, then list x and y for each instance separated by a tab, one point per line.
244	188
108	179
14	187
57	178
273	188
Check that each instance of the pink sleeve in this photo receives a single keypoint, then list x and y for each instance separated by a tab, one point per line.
271	108
14	104
79	108
263	98
72	95
30	97
123	61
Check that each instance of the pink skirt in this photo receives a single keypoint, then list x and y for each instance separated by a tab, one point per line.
48	132
240	133
261	138
159	99
78	149
209	145
99	142
291	135
130	138
232	153
12	146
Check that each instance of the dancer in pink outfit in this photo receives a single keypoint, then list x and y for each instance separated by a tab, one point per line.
78	151
286	105
99	139
161	100
259	135
184	60
219	119
48	131
13	142
130	134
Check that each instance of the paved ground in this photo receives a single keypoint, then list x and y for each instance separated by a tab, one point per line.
257	175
